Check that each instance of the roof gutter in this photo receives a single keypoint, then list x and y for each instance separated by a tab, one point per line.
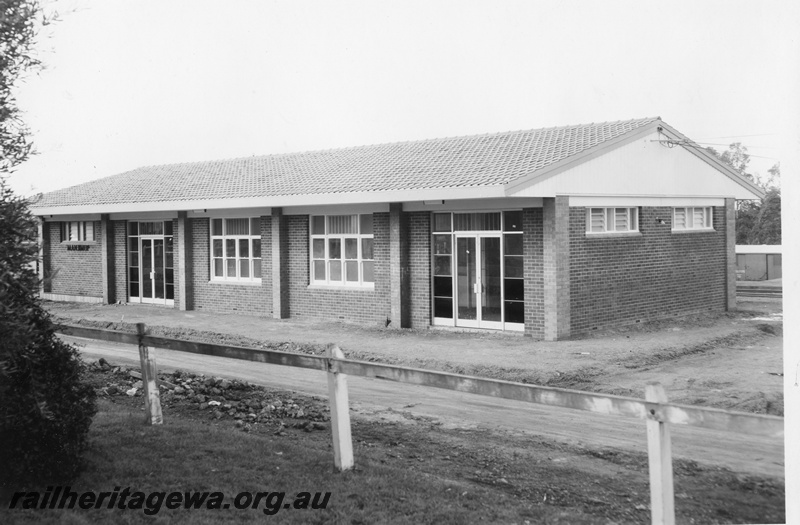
319	199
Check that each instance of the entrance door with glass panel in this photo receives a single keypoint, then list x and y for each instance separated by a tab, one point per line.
477	270
478	278
150	260
152	270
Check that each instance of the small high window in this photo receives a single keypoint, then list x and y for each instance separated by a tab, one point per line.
612	220
699	218
77	231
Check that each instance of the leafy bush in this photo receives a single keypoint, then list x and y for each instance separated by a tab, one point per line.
45	406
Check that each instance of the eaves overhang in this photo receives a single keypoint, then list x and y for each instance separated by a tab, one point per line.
319	199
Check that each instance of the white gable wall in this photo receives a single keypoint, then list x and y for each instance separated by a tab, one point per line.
641	168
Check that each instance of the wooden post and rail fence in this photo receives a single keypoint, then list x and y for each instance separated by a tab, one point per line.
654	409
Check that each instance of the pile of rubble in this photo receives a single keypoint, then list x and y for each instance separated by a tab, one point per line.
220	398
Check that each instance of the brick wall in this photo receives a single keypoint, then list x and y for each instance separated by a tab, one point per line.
533	271
120	265
229	297
279	244
176	296
625	279
556	267
362	306
74	272
419	268
182	261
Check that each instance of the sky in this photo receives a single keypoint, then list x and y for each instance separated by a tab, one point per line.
136	83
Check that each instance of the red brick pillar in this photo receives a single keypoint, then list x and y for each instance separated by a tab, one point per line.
730	253
398	266
532	263
280	265
555	247
107	258
184	273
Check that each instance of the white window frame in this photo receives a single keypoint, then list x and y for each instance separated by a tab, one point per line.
327	260
77	231
692	216
608	217
251	236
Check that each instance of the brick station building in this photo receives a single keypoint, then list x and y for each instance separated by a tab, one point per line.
551	232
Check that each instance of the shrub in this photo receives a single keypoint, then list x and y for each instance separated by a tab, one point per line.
46	408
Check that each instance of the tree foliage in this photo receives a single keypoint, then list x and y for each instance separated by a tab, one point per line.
757	222
736	157
46	406
19	20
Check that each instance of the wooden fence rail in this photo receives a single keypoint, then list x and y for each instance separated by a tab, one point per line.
654	409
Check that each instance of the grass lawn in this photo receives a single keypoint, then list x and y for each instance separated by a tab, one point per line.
408	471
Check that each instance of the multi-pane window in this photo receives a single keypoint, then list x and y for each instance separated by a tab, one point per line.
77	231
612	220
442	267
513	276
342	250
691	218
236	249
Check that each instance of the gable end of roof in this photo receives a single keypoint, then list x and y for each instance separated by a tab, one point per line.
706	156
584	156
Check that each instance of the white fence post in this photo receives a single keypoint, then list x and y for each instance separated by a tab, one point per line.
659	454
152	400
340	414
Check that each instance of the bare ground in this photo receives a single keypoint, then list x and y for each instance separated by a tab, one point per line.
726	360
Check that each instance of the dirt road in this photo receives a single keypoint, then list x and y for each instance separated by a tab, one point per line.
385	400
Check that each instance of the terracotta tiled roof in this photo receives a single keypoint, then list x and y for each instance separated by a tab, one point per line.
473	161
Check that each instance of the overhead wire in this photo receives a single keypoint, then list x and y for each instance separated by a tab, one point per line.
719	144
671	143
740	136
698	145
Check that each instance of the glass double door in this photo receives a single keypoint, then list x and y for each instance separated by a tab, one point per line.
152	285
150	262
150	272
479	291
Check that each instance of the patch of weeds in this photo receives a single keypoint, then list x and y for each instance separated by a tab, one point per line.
688	467
761	403
580	377
618	457
762	486
771	329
